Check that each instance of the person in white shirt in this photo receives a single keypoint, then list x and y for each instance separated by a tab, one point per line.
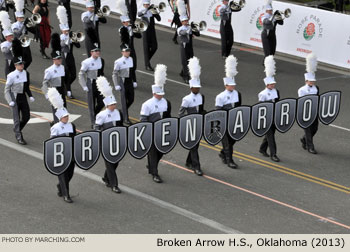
226	100
110	117
62	128
193	104
310	88
269	94
6	46
153	110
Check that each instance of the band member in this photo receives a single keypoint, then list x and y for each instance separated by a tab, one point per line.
269	94
185	32
19	30
91	22
123	79
55	74
66	5
226	30
310	88
110	117
6	46
67	50
226	100
91	68
132	9
193	104
268	35
127	35
16	88
44	28
62	128
176	19
153	110
150	44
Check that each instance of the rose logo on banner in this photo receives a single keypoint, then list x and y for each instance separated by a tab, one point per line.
259	23
309	31
216	13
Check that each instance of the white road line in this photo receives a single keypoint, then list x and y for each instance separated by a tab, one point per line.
158	202
178	82
338	127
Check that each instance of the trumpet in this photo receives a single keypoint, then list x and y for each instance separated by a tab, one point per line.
237	6
25	40
34	20
156	9
199	27
282	15
104	11
140	26
77	37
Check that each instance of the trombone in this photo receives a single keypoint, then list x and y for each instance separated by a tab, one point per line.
139	26
104	11
198	26
279	15
237	6
34	20
77	37
156	9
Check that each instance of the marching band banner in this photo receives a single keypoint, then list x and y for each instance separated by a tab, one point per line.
307	30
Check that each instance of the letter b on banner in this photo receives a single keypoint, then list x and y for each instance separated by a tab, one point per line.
58	154
114	144
165	134
87	149
191	129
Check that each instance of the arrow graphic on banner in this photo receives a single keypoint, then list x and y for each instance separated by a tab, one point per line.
43	117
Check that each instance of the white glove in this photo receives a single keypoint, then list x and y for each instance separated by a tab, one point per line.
12	104
117	87
135	85
85	89
46	96
31	99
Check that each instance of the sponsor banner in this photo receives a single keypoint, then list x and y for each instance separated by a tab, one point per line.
307	30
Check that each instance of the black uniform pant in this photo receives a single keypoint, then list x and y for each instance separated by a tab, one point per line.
177	22
154	157
226	33
62	91
186	55
193	158
269	141
27	56
110	175
9	67
268	39
70	71
21	114
227	147
64	179
150	47
134	58
309	134
95	100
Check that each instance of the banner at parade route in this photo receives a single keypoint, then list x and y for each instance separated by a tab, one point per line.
164	134
307	30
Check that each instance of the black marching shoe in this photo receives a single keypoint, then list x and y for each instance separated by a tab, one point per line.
303	143
106	182
312	151
116	189
198	172
188	165
21	141
231	164
222	156
67	199
175	41
149	68
264	153
157	179
59	192
275	158
128	122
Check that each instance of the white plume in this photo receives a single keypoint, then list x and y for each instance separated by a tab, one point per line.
194	68
231	66
5	20
103	86
62	14
270	66
181	6
55	98
19	5
311	63
160	75
121	7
